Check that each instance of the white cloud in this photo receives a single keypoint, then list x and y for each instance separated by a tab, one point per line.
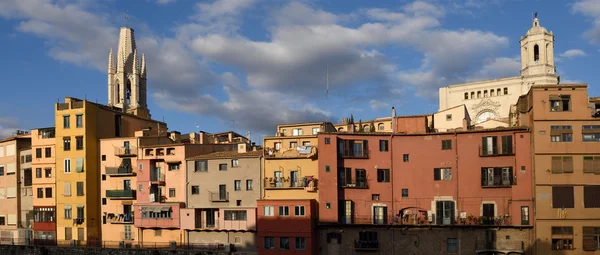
572	53
497	68
591	9
164	1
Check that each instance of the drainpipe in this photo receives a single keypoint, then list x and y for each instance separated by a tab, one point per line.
392	175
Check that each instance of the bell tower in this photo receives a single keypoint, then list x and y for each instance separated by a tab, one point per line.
537	51
127	82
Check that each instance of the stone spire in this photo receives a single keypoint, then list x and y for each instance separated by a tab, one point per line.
111	62
136	64
125	50
143	71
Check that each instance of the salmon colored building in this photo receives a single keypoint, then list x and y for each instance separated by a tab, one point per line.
44	184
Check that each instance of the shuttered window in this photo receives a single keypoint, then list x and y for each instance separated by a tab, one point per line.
562	197
591	164
591	196
591	238
562	165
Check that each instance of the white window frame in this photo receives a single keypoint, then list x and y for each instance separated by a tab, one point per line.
316	130
268	210
299	210
67	165
283	210
235	163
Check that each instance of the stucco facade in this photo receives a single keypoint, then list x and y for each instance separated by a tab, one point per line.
454	118
566	161
43	142
491	99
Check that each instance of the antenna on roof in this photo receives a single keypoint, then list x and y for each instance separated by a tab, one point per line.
326	95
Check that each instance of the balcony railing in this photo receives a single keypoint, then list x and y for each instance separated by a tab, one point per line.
355	154
422	219
205	225
121	194
157	178
157	223
271	153
284	183
355	184
496	151
497	183
119	171
219	196
121	218
130	151
363	245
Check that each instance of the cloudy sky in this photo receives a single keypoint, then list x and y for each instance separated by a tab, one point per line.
248	65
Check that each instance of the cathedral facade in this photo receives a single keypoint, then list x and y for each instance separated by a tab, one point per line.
491	100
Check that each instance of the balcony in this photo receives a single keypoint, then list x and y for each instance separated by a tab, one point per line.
355	184
121	194
308	184
219	196
157	179
361	245
130	151
114	218
207	225
298	152
361	154
499	246
494	151
119	171
167	223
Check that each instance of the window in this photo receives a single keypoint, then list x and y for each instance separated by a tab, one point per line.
560	103
561	134
48	153
297	132
299	210
299	243
38	173
27	177
284	210
562	164
284	243
536	53
80	189
590	133
353	148
68	233
327	169
315	131
2	221
478	94
103	201
452	245
591	238
383	175
306	143
448	117
222	167
235	215
158	232
237	185
277	146
380	126
79	164
67	165
67	211
444	212
48	192
48	172
235	163
40	193
375	197
249	185
466	95
196	190
38	153
405	158
442	174
171	192
327	140
505	91
66	143
268	210
496	176
238	202
66	121
201	166
78	121
591	194
446	144
562	197
366	240
174	167
67	187
79	142
404	192
269	243
1	170
562	238
591	164
524	215
383	145
293	145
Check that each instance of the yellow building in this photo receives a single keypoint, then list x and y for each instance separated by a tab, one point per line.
290	161
43	141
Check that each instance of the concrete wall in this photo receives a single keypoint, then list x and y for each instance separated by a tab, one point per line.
242	241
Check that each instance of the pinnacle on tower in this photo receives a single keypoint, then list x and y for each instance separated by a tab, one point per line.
143	71
136	66
111	62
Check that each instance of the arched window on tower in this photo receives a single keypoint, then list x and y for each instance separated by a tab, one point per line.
472	95
498	92
485	93
128	93
492	92
118	99
536	53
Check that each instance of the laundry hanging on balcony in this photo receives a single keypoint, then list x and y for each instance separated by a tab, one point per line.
304	149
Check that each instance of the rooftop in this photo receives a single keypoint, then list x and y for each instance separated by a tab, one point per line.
498	129
303	124
229	154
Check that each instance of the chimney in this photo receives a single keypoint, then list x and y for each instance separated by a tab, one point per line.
202	137
175	136
242	148
230	137
253	146
194	138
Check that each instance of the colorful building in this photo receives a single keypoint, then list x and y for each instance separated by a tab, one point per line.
15	154
222	191
287	226
565	127
43	142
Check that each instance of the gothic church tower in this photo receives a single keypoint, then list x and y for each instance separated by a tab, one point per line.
127	82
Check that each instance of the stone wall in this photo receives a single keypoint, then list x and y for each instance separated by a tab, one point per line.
52	250
421	240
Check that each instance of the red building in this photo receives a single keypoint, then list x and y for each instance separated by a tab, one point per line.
287	226
476	177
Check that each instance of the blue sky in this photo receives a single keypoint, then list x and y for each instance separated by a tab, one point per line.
261	63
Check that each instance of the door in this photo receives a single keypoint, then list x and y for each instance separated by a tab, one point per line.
126	147
210	218
490	145
490	177
278	179
80	234
488	214
361	178
126	184
127	213
294	179
380	215
222	192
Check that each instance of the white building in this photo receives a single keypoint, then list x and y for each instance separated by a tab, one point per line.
491	99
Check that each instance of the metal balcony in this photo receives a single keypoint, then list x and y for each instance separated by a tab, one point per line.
119	171
121	194
130	151
219	196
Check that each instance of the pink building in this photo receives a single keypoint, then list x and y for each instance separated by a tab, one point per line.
478	177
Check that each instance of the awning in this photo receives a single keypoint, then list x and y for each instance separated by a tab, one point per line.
165	208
